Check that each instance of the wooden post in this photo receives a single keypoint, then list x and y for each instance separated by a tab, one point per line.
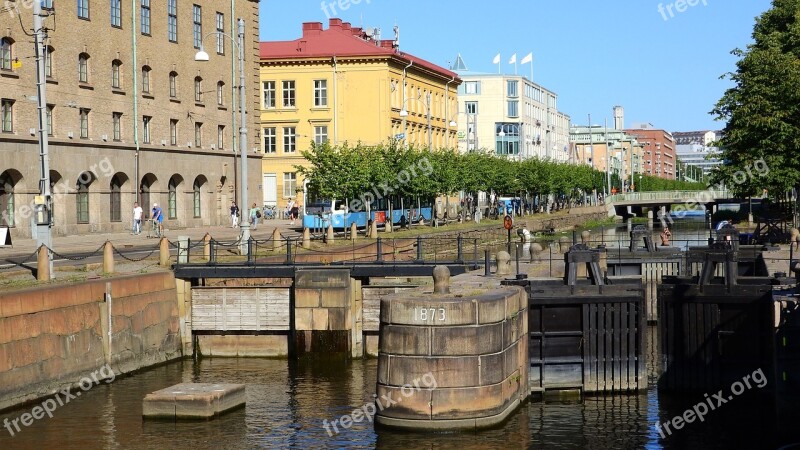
276	240
353	232
163	252
108	257
43	264
387	227
207	247
329	235
373	230
306	238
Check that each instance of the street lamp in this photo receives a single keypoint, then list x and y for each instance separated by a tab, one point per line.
404	115
203	56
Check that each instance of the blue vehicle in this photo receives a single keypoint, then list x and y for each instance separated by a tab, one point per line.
320	214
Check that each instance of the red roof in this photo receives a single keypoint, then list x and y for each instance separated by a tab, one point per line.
341	40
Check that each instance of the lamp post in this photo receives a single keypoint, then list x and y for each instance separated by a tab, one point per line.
404	115
203	56
43	204
471	136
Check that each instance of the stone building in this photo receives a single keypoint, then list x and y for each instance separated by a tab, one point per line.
130	114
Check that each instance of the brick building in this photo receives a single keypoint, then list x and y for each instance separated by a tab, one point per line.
130	114
659	146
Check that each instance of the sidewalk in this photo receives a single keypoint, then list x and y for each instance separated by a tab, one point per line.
91	242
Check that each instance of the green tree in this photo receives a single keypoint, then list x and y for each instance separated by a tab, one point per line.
762	110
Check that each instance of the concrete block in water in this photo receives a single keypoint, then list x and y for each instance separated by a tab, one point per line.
193	401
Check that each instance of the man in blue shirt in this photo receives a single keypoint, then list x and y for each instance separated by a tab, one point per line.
158	217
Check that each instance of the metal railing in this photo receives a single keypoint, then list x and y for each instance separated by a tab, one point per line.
684	196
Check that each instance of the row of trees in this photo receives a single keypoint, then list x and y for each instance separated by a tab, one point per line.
351	172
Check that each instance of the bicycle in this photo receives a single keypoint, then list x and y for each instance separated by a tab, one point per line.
270	212
155	229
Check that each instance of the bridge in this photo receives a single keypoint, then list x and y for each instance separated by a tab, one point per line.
627	204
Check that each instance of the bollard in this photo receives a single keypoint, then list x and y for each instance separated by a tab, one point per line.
288	251
108	257
373	230
536	251
207	247
306	238
250	253
503	263
574	237
353	232
487	263
419	249
586	237
329	234
183	249
518	251
276	240
163	252
379	250
212	252
441	280
387	227
43	264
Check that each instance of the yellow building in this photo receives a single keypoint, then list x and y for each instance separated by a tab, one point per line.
344	84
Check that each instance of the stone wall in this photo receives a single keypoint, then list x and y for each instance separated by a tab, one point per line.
52	336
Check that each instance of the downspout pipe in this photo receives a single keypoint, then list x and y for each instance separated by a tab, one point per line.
403	106
335	104
135	70
447	108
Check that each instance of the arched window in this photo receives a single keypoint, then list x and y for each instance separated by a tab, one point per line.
82	197
115	201
173	84
198	183
48	62
198	89
7	183
220	93
146	79
145	187
6	53
172	200
83	68
116	74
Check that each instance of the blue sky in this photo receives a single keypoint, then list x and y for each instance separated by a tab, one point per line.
593	54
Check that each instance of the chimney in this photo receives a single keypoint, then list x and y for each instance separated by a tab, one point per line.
346	26
311	28
387	43
335	23
357	31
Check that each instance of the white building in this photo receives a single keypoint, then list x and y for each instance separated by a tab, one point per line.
695	148
510	115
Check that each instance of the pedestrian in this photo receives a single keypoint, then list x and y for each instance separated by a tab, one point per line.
158	219
255	214
288	212
665	237
295	212
137	218
234	215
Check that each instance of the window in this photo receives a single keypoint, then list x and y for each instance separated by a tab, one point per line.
116	13
173	85
116	81
289	184
173	132
220	136
511	88
269	94
198	90
220	93
146	129
7	115
472	87
197	25
270	141
320	135
288	94
48	62
146	17
6	199
82	198
83	9
196	197
289	140
115	200
172	199
146	79
83	68
116	119
198	134
220	22
6	55
49	119
471	107
507	139
320	92
513	108
84	123
47	4
172	20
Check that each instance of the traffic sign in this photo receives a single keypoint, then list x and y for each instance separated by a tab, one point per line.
508	222
5	237
400	136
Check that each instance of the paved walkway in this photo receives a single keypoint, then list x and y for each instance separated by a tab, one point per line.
91	242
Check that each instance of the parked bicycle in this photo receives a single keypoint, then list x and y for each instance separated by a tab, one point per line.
270	212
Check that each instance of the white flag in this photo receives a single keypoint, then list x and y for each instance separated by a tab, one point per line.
496	59
513	59
527	59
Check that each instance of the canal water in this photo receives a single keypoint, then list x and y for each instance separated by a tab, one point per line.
288	402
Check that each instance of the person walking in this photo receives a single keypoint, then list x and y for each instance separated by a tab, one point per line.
137	218
234	215
666	235
288	212
158	219
255	213
294	212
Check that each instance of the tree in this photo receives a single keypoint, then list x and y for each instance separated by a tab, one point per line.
762	110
